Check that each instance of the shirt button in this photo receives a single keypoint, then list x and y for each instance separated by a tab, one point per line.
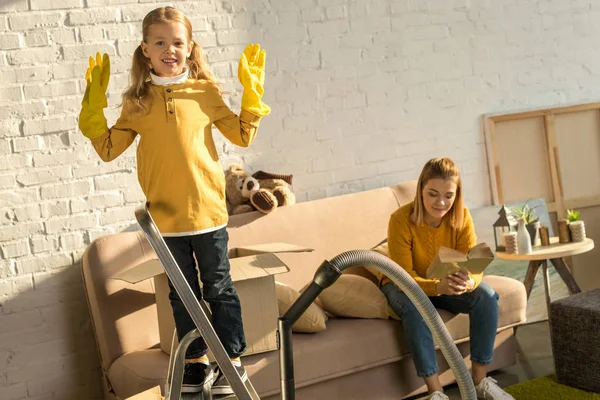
168	90
170	99
171	111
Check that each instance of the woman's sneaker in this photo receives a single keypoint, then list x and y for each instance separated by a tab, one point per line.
221	385
437	396
196	376
489	390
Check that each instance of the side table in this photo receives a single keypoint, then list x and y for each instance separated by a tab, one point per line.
554	253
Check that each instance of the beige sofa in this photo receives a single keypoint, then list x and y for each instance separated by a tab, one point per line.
351	359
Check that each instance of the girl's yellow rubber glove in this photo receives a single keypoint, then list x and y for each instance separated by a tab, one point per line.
251	73
92	122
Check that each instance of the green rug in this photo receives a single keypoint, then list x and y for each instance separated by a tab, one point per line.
547	388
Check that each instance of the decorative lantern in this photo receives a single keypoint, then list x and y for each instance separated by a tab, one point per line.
504	224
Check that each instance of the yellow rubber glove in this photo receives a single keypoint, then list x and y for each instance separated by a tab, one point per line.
251	73
92	122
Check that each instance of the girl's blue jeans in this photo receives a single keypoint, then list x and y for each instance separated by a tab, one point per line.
210	250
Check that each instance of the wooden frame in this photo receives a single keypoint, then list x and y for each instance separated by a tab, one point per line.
555	198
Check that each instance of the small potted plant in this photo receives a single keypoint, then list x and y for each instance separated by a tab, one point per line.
576	226
532	222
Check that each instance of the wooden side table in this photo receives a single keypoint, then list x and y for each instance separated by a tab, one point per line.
554	253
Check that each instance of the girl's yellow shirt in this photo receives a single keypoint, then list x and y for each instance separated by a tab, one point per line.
177	162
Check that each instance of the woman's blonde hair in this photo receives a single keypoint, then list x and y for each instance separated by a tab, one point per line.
136	95
442	168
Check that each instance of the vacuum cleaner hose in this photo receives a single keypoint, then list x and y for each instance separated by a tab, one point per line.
326	275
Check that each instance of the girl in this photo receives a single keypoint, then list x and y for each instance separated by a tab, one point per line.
171	104
416	231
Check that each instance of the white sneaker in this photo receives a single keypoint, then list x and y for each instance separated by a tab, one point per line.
489	390
437	396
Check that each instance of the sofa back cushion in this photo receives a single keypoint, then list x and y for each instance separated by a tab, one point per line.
329	226
123	315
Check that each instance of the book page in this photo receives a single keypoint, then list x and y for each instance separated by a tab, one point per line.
482	250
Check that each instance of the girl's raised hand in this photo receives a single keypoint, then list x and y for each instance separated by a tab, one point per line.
251	73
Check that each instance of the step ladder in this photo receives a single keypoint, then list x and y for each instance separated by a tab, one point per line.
243	389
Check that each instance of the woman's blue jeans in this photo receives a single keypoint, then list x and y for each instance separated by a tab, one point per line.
482	306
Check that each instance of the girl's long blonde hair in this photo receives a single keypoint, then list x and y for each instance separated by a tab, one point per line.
442	168
135	97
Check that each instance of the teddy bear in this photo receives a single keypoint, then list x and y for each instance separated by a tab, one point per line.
262	191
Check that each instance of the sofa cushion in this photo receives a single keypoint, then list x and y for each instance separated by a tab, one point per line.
312	320
354	296
135	372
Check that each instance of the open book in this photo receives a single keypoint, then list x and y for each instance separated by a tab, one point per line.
448	261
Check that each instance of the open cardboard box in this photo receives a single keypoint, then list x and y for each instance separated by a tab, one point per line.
252	269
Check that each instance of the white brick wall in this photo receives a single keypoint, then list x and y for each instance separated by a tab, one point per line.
362	92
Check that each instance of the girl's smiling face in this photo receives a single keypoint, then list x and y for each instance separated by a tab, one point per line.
167	46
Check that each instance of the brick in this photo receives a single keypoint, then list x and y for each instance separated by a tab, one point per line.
61	36
5	147
122	31
32	56
57	158
112	216
115	181
70	223
20	231
58	141
42	176
51	89
54	208
35	20
206	39
427	32
15	249
84	51
26	144
3	23
138	12
91	33
11	94
49	125
14	392
127	46
42	262
96	202
41	244
27	213
36	39
55	4
67	105
9	198
12	6
64	190
92	16
10	127
9	41
29	109
72	241
14	162
30	74
5	291
6	270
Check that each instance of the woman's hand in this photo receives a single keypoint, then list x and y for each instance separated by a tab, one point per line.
455	284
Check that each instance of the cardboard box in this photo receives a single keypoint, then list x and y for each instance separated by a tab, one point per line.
252	270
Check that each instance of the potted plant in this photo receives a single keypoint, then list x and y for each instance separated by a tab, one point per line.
532	222
576	226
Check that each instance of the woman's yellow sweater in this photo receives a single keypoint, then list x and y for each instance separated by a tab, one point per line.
413	247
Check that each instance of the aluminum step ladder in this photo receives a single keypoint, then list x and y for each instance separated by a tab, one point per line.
243	390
